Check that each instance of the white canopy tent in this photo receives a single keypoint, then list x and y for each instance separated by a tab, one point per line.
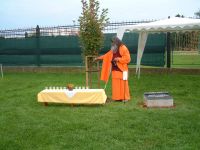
167	25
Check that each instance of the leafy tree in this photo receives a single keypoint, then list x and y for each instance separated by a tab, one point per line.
197	14
91	25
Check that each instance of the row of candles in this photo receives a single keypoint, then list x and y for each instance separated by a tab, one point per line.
63	88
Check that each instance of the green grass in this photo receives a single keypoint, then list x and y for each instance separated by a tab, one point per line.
186	61
27	124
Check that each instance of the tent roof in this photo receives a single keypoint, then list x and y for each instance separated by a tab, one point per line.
174	24
167	25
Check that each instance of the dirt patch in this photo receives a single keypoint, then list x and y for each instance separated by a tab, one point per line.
82	69
167	71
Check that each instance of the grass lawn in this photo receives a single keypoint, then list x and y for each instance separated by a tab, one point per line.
186	60
27	124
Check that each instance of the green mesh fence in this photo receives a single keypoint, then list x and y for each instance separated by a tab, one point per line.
66	51
154	52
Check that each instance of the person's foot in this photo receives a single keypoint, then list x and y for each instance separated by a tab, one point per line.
116	100
125	100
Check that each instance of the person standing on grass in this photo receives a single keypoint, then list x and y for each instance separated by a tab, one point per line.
117	60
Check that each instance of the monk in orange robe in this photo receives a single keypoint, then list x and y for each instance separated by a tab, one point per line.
117	60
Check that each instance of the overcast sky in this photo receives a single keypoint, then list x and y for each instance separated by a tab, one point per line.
29	13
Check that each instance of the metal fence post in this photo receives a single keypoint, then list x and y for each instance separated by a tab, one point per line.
38	45
168	51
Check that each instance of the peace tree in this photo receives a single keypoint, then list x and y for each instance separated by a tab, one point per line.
92	22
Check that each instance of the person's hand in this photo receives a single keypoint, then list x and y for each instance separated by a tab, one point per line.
116	59
95	59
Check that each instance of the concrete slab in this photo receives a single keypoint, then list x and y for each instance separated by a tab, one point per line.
158	99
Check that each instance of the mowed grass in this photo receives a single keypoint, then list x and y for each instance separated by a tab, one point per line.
186	60
27	124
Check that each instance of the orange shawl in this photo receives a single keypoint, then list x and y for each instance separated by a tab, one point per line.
122	63
106	66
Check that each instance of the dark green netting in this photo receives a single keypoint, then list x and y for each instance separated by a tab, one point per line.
66	51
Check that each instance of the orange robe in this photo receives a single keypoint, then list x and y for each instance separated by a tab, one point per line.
120	88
